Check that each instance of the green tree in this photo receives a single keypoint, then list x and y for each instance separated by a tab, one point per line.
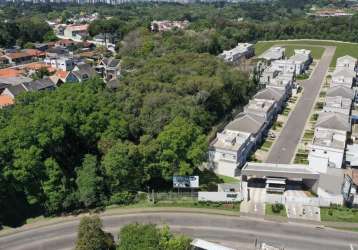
92	237
54	187
90	182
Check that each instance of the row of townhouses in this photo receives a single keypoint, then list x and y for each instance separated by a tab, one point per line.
229	151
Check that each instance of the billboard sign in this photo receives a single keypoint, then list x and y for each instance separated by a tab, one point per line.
186	181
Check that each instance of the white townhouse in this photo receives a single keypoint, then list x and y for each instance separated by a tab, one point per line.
268	74
338	104
343	76
263	108
275	94
302	58
284	66
240	52
348	62
274	53
341	91
228	151
329	142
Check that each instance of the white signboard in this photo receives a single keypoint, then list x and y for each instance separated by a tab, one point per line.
186	181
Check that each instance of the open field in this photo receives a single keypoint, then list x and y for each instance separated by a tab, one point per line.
340	214
342	48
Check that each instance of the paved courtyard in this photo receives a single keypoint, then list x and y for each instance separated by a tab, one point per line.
284	148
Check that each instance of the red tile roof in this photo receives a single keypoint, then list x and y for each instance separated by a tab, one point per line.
10	72
6	101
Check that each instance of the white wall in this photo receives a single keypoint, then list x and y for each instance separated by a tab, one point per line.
219	196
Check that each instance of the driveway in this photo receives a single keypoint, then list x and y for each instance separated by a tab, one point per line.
284	148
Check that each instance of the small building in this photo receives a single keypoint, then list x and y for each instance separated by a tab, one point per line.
347	62
78	32
18	57
274	53
39	85
109	68
6	101
337	104
350	187
13	90
240	52
345	77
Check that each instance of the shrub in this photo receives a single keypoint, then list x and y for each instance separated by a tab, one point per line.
122	198
276	208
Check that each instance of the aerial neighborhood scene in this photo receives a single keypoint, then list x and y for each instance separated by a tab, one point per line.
179	125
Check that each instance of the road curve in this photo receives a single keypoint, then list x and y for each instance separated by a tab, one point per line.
237	232
284	148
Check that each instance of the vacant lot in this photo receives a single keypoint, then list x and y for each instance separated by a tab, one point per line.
341	47
340	214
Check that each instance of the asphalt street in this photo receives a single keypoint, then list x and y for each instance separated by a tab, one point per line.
284	148
237	232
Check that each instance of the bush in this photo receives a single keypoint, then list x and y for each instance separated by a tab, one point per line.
276	208
122	198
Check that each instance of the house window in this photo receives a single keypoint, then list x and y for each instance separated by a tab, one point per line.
313	150
325	152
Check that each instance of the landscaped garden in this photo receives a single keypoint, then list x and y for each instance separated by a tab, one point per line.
276	210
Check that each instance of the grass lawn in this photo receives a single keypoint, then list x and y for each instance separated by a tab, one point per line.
266	145
270	211
228	179
340	214
301	158
308	135
341	48
286	111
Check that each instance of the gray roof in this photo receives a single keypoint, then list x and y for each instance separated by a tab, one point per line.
16	80
84	69
336	121
111	62
340	91
344	72
332	181
279	170
16	89
248	123
347	57
41	84
270	94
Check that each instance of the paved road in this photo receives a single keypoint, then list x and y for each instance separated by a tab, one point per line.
284	148
237	232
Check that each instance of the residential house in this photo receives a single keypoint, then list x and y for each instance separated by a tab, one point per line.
284	66
65	43
263	108
328	147
347	62
341	90
343	76
283	81
12	81
77	32
240	52
63	77
109	68
84	72
274	53
350	187
13	90
229	151
18	57
278	95
39	85
302	58
268	74
60	63
338	104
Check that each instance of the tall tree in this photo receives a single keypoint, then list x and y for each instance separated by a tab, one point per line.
90	182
